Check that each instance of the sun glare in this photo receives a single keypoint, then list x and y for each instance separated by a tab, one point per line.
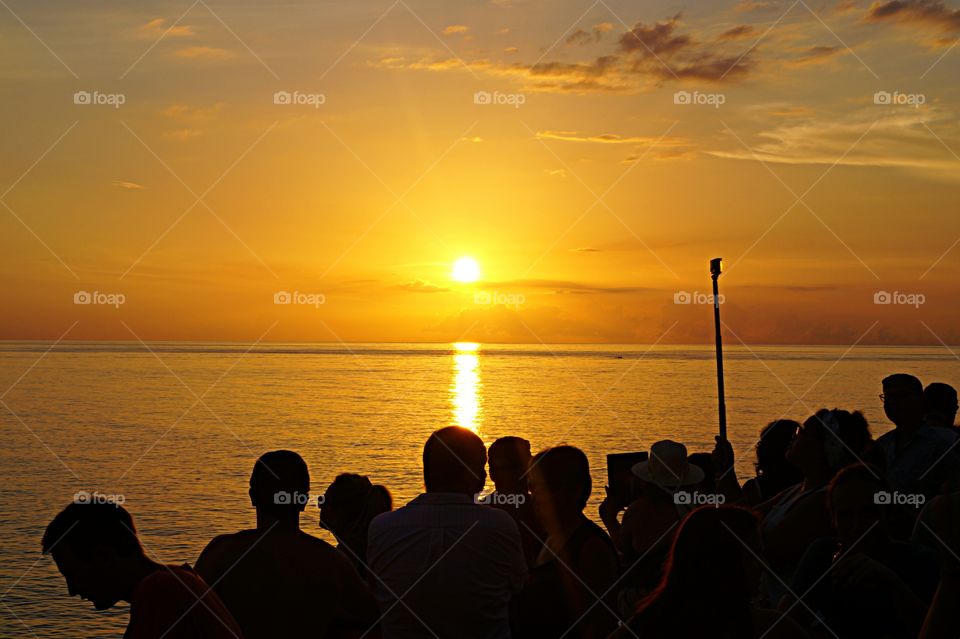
466	269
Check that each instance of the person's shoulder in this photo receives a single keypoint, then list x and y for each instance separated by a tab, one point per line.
168	580
888	436
229	541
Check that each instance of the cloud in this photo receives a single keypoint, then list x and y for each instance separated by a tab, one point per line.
738	32
123	184
611	138
210	54
642	59
897	138
420	286
454	29
581	37
749	6
557	173
563	287
156	28
511	50
923	12
661	50
817	55
585	249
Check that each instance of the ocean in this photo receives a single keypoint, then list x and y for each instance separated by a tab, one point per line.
173	428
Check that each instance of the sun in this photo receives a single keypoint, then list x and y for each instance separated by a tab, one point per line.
466	269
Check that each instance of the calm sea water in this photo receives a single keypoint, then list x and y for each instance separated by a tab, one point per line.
176	429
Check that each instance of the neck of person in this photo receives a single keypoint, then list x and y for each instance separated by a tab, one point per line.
563	522
907	428
272	520
135	571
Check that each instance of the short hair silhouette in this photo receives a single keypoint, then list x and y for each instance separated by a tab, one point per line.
565	469
905	382
454	460
83	527
510	451
280	482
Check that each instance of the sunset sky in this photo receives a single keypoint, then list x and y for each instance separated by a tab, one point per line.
591	158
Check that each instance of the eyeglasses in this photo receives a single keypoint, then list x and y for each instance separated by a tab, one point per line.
882	397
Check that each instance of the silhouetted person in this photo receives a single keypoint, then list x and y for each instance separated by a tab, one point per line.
277	580
860	582
95	547
509	460
940	405
445	565
916	456
349	505
646	531
774	472
827	441
710	582
943	618
569	592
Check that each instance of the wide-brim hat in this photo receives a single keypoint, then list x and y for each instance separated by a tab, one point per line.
668	467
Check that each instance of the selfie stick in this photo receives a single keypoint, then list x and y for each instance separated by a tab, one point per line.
715	267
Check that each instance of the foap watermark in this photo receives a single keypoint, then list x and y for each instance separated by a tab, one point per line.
96	98
296	498
84	497
298	298
695	297
500	499
896	98
99	298
884	498
899	298
296	98
697	98
516	100
696	498
496	298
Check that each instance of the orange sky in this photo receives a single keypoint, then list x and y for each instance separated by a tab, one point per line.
591	158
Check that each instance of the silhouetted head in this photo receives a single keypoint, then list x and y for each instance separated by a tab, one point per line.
829	440
940	404
94	545
712	569
903	399
775	439
454	461
856	506
350	503
280	484
509	460
560	485
704	461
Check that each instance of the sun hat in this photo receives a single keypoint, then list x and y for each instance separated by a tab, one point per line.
668	467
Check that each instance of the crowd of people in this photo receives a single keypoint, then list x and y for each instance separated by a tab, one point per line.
837	534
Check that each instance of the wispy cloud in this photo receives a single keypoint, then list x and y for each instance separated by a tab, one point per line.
123	184
932	13
205	53
158	27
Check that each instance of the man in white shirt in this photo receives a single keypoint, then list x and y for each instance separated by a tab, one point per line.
444	565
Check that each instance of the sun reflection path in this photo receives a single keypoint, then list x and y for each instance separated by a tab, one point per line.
466	387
